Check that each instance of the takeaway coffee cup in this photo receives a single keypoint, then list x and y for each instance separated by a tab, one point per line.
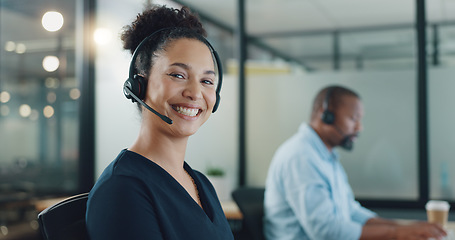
437	212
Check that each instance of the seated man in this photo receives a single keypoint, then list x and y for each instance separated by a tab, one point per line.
307	193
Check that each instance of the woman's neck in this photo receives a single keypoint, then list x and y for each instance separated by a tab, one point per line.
161	148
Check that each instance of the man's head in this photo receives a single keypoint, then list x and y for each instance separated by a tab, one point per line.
336	116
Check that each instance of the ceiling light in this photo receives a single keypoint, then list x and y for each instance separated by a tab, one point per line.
20	48
50	63
25	110
52	21
51	97
102	36
75	93
10	46
51	82
5	97
48	111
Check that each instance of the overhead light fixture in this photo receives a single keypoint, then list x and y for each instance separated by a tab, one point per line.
5	97
102	36
50	63
51	97
10	46
25	110
20	48
51	82
75	93
48	111
52	21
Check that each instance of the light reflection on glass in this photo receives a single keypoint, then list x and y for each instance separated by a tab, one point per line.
52	21
48	111
51	82
20	48
51	97
75	93
51	63
10	46
25	110
5	97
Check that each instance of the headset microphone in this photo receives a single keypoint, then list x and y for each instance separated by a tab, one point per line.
130	93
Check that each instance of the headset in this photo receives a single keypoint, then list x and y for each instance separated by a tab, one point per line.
135	87
328	117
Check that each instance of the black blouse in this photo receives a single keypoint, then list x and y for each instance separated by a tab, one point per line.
135	198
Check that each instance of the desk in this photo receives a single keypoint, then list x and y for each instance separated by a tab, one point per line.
450	224
450	228
231	210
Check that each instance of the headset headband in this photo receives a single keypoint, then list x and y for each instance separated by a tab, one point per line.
217	61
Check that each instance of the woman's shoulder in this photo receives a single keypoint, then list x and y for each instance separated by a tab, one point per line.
131	164
127	171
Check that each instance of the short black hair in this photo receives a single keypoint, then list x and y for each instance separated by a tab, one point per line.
336	92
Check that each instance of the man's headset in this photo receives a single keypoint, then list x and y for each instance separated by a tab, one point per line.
328	116
135	86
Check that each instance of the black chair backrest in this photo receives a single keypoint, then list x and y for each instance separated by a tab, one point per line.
251	203
65	220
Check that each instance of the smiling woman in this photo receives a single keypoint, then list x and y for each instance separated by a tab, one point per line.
149	191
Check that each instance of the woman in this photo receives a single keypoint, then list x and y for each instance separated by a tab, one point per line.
149	191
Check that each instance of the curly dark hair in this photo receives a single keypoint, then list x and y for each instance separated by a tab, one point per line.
177	23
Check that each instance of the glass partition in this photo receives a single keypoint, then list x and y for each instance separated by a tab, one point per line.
375	59
39	98
441	63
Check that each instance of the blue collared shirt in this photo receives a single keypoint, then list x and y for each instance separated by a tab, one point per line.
307	193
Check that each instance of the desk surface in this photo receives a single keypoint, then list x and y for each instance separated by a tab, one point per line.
231	210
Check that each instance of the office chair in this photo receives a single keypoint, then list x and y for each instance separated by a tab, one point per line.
251	203
65	220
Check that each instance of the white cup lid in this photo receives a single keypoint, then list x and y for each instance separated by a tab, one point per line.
437	205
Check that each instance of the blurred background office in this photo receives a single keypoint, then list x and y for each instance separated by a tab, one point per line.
63	116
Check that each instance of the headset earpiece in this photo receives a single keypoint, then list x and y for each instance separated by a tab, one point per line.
219	70
136	86
217	102
328	117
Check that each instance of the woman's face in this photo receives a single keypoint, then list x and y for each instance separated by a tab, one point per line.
182	85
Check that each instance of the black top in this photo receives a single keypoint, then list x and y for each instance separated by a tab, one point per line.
135	198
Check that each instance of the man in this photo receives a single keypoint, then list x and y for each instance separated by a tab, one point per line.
307	193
